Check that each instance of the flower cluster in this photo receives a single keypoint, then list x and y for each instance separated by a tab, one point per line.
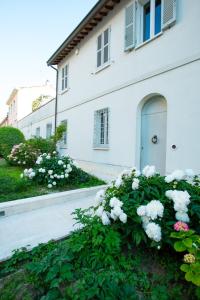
148	213
128	195
23	155
181	226
115	213
149	171
181	201
50	169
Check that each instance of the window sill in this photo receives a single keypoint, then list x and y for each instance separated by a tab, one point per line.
101	68
148	41
103	148
64	91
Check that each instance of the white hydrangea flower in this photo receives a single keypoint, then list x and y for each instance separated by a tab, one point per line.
154	209
123	217
176	175
112	215
145	221
189	173
105	219
153	231
39	160
149	171
141	210
118	182
66	175
135	184
54	182
100	195
49	186
182	216
60	162
136	172
117	211
50	172
115	202
48	156
52	177
99	211
62	176
55	175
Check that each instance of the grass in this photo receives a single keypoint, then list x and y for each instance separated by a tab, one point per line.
12	187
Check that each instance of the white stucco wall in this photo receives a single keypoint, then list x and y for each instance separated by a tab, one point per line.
168	65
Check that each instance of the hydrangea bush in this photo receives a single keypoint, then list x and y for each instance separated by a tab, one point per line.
26	154
23	155
50	169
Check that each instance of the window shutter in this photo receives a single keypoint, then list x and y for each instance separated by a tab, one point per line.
130	26
96	130
168	13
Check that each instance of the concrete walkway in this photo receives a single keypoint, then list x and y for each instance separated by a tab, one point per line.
38	226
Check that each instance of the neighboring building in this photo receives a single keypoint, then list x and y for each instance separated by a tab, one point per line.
128	86
4	122
21	100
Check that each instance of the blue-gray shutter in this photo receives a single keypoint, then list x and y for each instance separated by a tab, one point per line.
168	13
129	26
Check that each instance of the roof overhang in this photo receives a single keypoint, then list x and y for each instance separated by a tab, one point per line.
95	15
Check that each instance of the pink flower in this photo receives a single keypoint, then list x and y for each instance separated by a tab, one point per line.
181	226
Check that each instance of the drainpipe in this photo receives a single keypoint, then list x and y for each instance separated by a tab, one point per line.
56	99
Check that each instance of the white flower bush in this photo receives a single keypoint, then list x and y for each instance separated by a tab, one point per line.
50	169
153	201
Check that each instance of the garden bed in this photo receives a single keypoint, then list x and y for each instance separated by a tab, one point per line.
12	187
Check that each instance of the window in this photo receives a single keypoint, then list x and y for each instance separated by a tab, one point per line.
37	132
48	130
153	16
63	143
101	128
103	48
65	78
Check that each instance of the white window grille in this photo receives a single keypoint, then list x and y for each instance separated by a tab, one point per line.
37	132
103	48
101	128
48	130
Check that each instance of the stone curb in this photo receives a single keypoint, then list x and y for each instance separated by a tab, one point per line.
24	205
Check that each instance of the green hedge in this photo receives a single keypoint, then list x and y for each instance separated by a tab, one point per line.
9	136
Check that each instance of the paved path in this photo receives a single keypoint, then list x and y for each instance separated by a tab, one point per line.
38	226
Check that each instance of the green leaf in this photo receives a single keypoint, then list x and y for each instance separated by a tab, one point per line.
187	242
179	246
189	276
185	268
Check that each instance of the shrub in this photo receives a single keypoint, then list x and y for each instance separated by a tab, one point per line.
43	145
52	170
12	185
26	153
23	154
9	136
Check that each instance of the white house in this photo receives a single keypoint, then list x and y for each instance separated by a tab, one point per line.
129	86
21	99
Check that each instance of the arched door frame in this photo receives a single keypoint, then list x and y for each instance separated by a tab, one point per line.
139	125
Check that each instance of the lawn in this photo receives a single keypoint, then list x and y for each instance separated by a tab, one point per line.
12	187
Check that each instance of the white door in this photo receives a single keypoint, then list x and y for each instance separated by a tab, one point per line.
153	134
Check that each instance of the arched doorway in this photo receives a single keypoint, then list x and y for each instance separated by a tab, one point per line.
153	133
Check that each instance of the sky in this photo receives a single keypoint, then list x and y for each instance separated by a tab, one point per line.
30	32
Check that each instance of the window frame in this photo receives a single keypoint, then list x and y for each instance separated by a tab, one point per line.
102	48
140	21
101	139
